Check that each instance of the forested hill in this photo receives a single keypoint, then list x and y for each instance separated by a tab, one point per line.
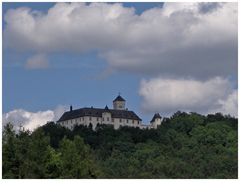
184	146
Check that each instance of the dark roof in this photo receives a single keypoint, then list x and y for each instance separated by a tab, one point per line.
106	109
97	112
157	115
118	98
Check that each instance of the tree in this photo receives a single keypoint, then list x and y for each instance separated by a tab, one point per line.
37	155
76	159
9	151
187	145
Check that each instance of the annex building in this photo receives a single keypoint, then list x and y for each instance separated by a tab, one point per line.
118	116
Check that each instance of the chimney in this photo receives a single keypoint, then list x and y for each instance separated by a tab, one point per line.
71	108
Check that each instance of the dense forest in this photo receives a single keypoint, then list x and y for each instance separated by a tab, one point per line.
186	145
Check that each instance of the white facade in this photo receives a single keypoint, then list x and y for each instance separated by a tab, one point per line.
156	123
105	119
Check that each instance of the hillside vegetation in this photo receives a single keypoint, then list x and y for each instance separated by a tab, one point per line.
184	146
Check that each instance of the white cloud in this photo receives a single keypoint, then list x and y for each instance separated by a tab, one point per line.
193	41
183	39
170	95
32	120
38	61
229	105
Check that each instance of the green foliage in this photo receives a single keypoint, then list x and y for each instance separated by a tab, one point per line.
184	146
9	153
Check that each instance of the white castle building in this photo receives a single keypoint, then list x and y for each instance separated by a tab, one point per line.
118	116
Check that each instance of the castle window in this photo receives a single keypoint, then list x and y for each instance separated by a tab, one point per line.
112	120
90	118
133	121
138	122
120	120
107	118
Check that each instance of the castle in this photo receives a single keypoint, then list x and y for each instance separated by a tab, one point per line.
117	117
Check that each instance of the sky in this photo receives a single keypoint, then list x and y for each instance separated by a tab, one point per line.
161	57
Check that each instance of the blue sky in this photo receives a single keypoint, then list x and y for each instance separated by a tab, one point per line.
160	57
74	83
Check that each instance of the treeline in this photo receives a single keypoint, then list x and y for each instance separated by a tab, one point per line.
184	146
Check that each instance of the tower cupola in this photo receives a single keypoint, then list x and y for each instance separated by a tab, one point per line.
156	120
119	103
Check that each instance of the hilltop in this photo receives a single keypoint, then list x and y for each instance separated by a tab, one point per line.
183	146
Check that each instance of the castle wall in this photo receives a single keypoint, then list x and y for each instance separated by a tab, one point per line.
105	119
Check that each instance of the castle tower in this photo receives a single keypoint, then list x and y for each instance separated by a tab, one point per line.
156	120
119	103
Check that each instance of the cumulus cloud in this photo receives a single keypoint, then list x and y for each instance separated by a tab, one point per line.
192	41
38	61
32	120
170	95
229	105
199	36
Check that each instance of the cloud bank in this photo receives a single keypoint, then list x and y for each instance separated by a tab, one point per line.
170	95
32	120
190	48
200	36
